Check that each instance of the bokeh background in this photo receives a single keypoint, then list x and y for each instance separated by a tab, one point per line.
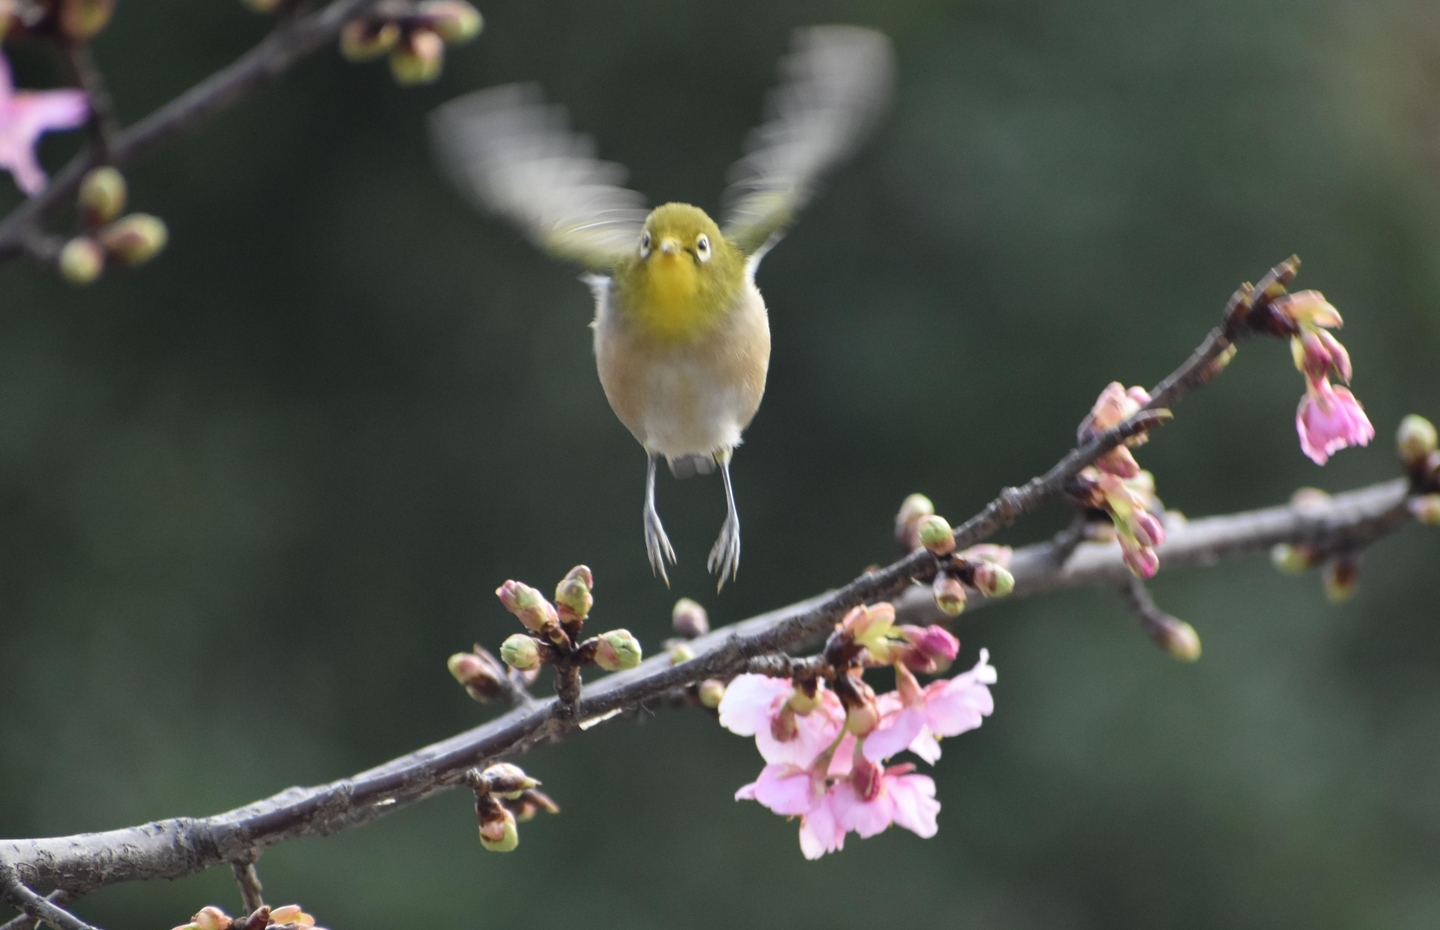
252	495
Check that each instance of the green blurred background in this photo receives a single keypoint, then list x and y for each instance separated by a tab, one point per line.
252	495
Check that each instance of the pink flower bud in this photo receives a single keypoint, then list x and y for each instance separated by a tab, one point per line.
572	594
1307	307
520	652
993	581
1330	419
1148	529
528	605
617	650
933	642
211	918
689	619
1142	560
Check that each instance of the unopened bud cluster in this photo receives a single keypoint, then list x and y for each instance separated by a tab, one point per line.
413	35
505	797
983	568
129	240
552	637
287	917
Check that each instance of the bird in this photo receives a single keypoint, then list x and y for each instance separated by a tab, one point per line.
681	332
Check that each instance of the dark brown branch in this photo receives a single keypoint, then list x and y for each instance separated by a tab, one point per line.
261	66
251	891
175	848
104	124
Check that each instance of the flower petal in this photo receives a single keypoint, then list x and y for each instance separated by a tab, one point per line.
915	807
751	701
786	790
895	733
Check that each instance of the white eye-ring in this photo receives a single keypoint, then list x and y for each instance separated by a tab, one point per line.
645	245
702	248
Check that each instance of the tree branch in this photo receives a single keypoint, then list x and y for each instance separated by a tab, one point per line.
261	66
185	846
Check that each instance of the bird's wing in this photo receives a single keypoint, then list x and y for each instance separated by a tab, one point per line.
513	155
835	85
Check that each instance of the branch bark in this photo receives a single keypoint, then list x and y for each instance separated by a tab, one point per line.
261	66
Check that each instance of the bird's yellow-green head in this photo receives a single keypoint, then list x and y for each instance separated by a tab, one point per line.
683	276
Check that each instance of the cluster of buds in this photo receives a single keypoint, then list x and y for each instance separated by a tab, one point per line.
483	677
506	796
1116	487
1329	417
288	917
70	20
414	35
983	568
826	736
130	240
552	636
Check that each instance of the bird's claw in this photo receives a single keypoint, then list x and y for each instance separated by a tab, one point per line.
725	557
657	545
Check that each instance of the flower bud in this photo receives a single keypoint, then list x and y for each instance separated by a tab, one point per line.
869	624
499	834
508	780
689	619
1179	639
572	595
804	702
933	642
102	195
528	605
81	260
1426	509
211	918
936	535
617	650
365	40
865	777
711	693
912	510
1415	439
418	58
863	719
949	594
520	652
1341	578
531	802
479	674
679	652
81	20
1141	560
135	239
291	914
993	581
1292	560
453	20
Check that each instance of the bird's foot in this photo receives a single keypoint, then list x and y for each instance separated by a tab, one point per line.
657	544
725	557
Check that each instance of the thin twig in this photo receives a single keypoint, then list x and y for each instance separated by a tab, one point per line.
261	66
251	891
37	907
104	124
26	922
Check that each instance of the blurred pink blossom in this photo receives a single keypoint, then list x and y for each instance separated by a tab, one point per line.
917	716
1330	419
25	115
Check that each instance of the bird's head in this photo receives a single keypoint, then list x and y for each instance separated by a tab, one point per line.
684	275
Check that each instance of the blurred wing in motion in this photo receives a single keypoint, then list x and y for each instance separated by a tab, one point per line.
835	85
514	156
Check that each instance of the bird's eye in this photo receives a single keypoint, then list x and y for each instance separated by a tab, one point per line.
645	245
702	248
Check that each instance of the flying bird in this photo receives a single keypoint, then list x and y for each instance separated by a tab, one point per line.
682	336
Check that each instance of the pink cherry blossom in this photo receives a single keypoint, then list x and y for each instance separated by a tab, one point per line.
868	805
820	830
1330	419
24	117
758	705
913	717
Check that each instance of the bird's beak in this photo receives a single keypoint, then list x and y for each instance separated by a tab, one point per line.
670	246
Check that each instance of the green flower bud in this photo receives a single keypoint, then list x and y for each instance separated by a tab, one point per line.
418	59
453	20
803	702
1342	577
365	40
572	594
1426	509
949	595
711	693
135	239
936	535
1180	640
508	780
1292	560
912	510
102	195
81	260
993	581
82	20
520	652
500	834
1415	439
689	619
680	652
617	650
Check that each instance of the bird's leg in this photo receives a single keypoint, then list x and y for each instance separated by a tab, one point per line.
725	557
657	544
